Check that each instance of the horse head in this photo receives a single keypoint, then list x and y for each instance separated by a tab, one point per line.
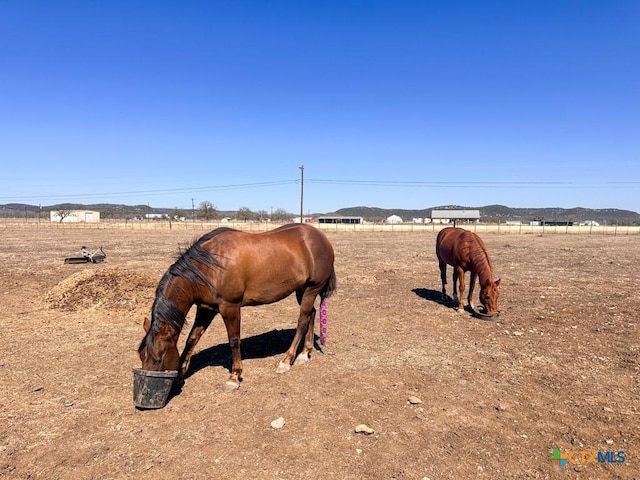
159	348
489	293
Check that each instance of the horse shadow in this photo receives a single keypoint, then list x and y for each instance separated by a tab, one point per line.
432	296
268	344
435	296
264	345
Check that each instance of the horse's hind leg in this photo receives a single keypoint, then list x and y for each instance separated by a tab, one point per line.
305	354
305	325
204	317
231	316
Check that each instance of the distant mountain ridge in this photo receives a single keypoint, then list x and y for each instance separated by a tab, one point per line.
502	214
488	213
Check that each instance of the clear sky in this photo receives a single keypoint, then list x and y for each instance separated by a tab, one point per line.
391	104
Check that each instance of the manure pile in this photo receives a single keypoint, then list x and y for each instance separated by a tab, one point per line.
110	288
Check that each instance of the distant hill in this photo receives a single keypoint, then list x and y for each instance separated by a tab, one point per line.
107	210
501	213
488	213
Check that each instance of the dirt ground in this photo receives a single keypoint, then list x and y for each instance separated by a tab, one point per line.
559	369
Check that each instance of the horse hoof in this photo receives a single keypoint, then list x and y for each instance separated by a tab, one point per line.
230	386
302	359
283	367
460	310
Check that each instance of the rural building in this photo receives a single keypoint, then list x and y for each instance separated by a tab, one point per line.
74	216
546	223
304	220
446	216
393	219
348	220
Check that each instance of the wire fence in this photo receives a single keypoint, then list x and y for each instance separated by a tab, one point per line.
198	225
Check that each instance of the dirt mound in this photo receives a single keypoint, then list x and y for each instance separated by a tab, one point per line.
111	288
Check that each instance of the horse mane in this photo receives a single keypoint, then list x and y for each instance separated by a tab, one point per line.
480	258
184	267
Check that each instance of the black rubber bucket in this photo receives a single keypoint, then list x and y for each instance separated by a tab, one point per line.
151	389
480	312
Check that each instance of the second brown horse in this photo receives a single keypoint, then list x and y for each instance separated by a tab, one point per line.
465	251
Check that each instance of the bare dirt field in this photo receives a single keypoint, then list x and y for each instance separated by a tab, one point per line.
559	369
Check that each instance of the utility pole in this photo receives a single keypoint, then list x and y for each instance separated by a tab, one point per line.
193	211
301	191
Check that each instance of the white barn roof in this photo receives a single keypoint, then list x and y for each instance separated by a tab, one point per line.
456	214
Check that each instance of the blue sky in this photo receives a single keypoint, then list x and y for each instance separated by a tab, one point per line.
408	104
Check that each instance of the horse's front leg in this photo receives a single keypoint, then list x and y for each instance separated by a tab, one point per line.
204	317
305	321
454	294
443	278
459	297
472	286
231	316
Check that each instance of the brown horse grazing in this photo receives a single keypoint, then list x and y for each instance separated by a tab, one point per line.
465	251
228	269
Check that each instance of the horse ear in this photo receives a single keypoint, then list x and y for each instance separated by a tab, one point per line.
146	324
497	282
168	334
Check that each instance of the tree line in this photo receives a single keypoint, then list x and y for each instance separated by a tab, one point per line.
209	211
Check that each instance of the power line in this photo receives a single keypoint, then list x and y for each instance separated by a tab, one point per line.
479	184
391	183
363	183
156	192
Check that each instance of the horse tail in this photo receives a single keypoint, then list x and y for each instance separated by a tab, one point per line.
327	291
330	286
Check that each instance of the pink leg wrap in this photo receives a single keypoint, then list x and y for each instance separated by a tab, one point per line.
323	321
